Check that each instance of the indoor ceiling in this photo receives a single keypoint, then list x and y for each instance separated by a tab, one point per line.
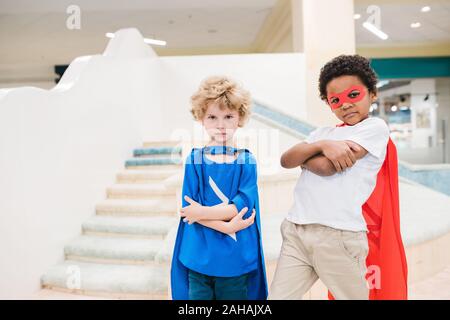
396	18
35	32
40	26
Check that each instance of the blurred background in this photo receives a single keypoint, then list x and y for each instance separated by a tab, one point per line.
94	95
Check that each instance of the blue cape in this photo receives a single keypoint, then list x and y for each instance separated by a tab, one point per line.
211	252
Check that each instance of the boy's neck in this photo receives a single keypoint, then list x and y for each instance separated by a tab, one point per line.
229	143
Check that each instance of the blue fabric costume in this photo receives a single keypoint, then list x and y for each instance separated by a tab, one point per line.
211	252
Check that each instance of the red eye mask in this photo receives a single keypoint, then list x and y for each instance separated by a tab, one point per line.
336	100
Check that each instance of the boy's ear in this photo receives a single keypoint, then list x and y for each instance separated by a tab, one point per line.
374	96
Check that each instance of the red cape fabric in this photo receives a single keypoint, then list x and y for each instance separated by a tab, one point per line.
386	261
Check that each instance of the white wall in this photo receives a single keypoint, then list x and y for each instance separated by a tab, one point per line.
61	148
276	80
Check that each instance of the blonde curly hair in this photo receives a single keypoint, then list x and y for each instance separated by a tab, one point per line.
226	93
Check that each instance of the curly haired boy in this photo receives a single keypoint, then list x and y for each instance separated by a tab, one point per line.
218	252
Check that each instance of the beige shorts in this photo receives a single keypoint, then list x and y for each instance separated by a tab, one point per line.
313	251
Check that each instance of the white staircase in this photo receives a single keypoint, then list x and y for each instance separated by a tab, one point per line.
123	251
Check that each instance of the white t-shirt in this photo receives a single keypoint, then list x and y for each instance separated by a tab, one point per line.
336	201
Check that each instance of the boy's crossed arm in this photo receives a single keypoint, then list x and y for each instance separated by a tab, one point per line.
221	217
323	157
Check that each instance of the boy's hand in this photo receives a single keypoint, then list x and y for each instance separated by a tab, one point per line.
238	223
358	151
339	153
193	212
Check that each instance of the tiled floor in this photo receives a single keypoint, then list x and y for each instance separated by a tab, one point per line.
435	288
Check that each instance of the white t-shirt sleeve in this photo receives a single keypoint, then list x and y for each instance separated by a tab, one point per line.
372	134
313	136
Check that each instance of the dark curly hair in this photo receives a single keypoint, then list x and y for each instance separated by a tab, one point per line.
347	65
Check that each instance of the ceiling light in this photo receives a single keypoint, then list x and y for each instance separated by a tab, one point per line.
155	42
380	34
356	16
415	25
146	40
425	9
394	108
382	83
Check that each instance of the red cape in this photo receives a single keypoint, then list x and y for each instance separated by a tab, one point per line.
386	261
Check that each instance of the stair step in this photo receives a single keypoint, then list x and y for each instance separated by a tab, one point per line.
145	176
156	227
166	151
136	207
113	249
140	191
158	156
161	143
121	281
144	162
156	168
